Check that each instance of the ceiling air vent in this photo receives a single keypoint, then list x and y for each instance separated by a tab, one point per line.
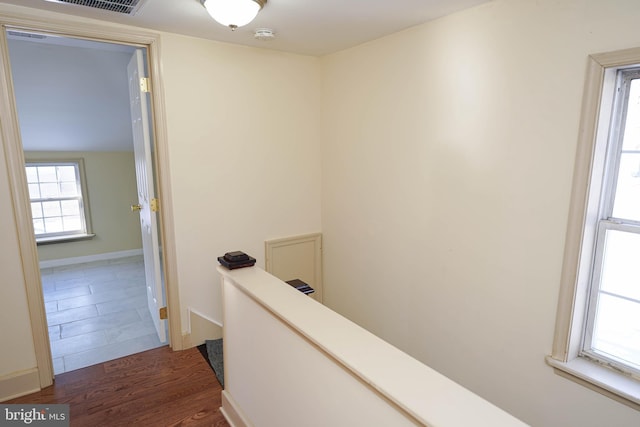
13	34
128	7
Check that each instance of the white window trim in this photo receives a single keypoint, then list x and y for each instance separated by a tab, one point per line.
574	285
69	237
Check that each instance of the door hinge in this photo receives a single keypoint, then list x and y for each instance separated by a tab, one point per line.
154	204
145	84
163	313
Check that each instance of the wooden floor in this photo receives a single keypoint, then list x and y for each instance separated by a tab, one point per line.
158	387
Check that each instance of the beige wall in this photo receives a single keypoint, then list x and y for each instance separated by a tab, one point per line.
447	158
244	143
447	169
16	346
244	148
111	184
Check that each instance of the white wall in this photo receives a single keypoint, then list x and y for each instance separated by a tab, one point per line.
447	166
57	91
338	373
447	158
243	128
244	143
16	346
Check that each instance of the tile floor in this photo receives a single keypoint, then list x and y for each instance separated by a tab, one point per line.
97	312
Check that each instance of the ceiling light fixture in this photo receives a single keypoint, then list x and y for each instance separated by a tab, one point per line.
233	13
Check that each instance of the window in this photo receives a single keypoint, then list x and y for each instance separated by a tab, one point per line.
612	333
58	200
597	339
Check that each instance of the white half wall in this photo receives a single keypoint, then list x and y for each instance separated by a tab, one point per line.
290	361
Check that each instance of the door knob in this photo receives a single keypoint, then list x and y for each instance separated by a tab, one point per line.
136	208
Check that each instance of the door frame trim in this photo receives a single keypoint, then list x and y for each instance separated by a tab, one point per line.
69	26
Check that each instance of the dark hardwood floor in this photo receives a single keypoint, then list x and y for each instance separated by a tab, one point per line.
158	387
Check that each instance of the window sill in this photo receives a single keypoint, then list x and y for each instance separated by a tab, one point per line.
63	239
602	379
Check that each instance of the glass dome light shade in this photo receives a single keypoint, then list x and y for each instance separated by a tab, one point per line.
233	13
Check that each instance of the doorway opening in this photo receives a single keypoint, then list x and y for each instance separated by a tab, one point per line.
102	286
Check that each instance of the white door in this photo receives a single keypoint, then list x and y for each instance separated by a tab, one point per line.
147	205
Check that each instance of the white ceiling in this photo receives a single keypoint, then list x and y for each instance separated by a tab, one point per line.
311	27
60	106
302	26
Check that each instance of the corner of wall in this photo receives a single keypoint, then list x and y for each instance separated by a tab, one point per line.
201	328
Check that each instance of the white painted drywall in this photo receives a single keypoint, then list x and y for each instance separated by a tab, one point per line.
447	170
244	146
16	346
71	98
317	368
243	128
447	162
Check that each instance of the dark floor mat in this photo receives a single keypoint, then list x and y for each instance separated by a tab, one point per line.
214	355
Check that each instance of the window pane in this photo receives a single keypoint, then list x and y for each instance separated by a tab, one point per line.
617	329
72	223
49	190
51	209
621	264
32	174
67	173
34	191
38	226
632	128
627	197
70	207
68	189
47	174
53	225
36	210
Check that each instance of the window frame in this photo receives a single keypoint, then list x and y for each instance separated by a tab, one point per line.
567	357
607	222
604	226
87	233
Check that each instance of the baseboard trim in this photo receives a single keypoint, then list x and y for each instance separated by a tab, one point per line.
232	413
89	258
19	384
186	341
201	328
